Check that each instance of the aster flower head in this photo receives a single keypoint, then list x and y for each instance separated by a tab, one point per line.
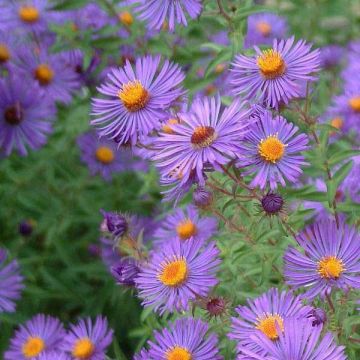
57	80
298	341
156	13
331	259
272	203
184	224
11	283
88	340
263	28
176	274
136	98
27	16
265	314
275	76
103	156
7	48
185	339
331	55
38	335
271	150
24	115
205	138
125	271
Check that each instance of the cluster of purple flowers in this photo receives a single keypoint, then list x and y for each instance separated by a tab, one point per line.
44	337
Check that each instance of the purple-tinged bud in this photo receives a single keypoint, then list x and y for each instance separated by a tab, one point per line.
216	306
272	203
114	223
125	271
26	227
318	316
202	198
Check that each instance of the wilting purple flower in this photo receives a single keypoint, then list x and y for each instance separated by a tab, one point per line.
275	76
11	283
38	335
298	341
156	12
116	223
265	314
185	224
176	274
54	355
88	340
263	28
331	259
271	150
205	137
139	98
331	55
24	115
105	158
186	339
28	16
57	80
202	197
317	316
125	271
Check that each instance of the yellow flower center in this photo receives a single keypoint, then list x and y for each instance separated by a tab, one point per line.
267	325
264	28
203	136
354	103
337	122
271	149
83	349
4	53
219	68
210	89
186	229
44	74
33	347
178	353
105	155
134	96
271	64
173	273
166	128
29	14
126	18
330	267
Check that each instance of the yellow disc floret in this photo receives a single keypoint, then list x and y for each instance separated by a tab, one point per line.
126	18
134	96
83	349
33	347
167	128
271	149
203	136
29	14
44	74
330	267
174	272
186	229
264	28
178	353
354	103
337	122
271	64
4	53
267	325
105	155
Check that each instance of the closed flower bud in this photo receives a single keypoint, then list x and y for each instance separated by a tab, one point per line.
125	271
272	203
202	198
114	223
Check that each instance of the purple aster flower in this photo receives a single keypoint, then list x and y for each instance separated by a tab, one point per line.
298	341
24	115
331	55
158	12
54	355
265	314
347	106
7	48
263	28
103	156
28	16
185	224
125	271
185	339
271	150
88	340
40	334
331	259
205	137
274	76
116	224
272	203
11	283
57	80
138	98
176	274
